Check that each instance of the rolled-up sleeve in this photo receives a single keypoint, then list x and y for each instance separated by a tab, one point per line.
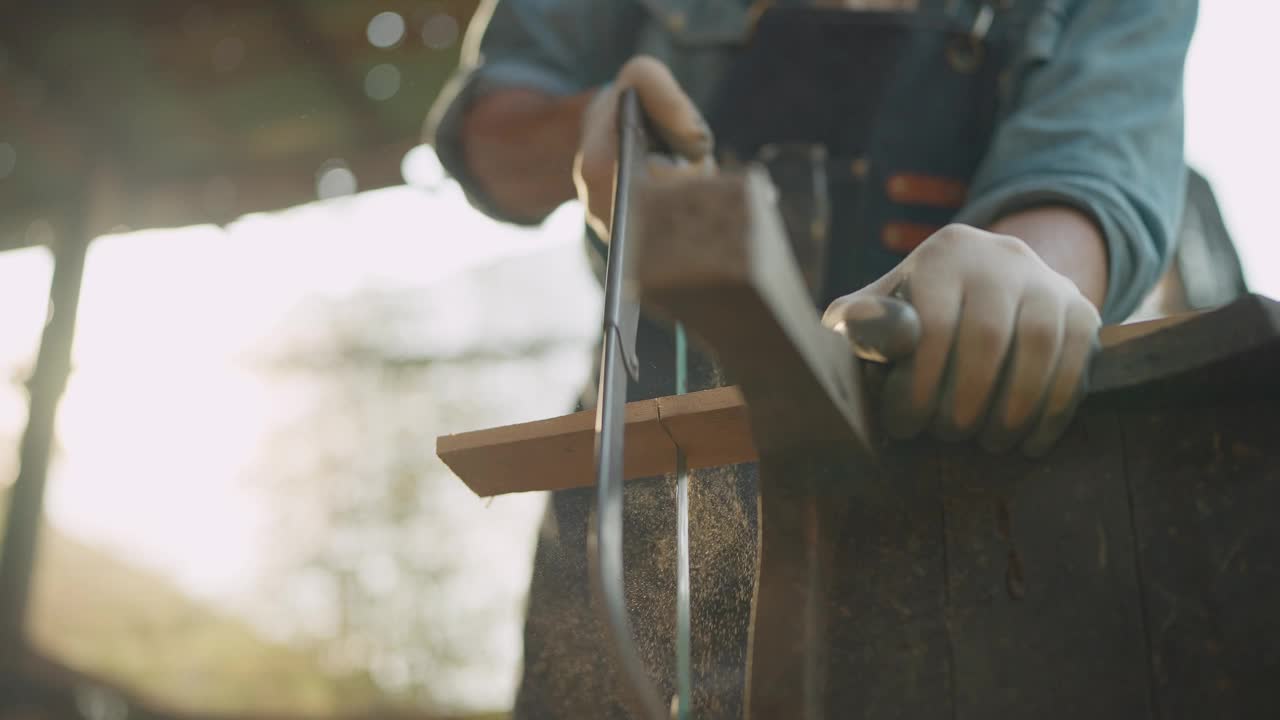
1096	122
558	47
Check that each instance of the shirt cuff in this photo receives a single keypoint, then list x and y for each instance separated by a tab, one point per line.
1136	256
444	123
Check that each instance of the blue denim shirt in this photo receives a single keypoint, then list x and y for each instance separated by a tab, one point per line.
1092	111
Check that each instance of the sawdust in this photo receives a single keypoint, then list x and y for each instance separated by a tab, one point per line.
569	672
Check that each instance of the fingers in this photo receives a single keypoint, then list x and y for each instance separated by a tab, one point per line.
881	329
593	166
670	111
978	356
668	107
1080	342
911	388
1037	340
661	167
1002	345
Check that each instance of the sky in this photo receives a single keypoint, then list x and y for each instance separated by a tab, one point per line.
143	336
1233	112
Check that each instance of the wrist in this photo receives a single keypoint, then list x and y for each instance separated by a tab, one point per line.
1068	241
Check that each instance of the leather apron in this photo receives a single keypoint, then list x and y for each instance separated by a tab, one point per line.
871	124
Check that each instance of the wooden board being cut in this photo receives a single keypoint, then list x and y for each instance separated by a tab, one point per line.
558	453
713	427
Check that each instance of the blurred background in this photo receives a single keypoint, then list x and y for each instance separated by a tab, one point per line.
284	302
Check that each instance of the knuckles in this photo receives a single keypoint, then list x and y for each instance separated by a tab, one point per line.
1039	336
988	335
1052	319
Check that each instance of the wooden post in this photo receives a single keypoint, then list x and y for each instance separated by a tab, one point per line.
44	388
44	391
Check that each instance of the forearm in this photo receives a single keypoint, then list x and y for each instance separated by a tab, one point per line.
519	147
1068	241
1095	122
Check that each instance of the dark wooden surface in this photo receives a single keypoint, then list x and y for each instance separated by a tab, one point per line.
1129	575
1133	573
1205	486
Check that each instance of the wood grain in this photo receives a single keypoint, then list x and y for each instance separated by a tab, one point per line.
1205	483
557	453
553	454
1044	612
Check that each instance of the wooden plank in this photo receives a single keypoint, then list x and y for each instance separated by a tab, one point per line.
553	454
788	660
1139	363
1206	487
1041	601
711	426
557	453
1206	356
1043	609
889	649
1112	335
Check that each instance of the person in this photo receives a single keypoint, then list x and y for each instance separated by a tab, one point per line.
1014	169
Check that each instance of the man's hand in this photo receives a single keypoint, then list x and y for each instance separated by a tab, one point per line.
1002	348
671	113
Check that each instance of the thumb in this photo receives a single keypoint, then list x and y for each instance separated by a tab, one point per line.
880	328
670	109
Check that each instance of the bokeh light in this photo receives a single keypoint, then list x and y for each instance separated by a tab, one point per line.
334	179
385	30
382	82
440	31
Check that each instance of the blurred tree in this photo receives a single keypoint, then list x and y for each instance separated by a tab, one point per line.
369	559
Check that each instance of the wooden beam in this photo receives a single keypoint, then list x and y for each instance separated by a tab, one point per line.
160	202
714	429
297	23
18	551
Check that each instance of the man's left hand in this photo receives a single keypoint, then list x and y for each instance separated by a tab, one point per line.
1002	348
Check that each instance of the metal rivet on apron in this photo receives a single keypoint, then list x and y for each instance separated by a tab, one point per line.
899	186
966	55
676	21
860	167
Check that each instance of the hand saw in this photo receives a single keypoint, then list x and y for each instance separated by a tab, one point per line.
619	361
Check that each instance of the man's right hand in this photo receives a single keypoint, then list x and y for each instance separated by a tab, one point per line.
671	113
